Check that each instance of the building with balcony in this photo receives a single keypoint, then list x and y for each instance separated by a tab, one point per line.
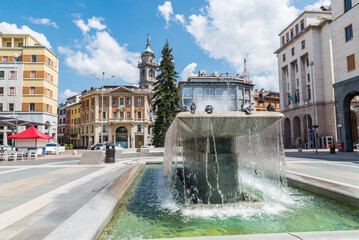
61	127
127	116
75	123
307	39
264	98
28	82
345	26
223	93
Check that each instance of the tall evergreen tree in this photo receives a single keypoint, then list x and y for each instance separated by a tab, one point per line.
165	95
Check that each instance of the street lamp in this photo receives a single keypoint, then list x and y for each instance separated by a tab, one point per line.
102	81
306	118
315	126
13	106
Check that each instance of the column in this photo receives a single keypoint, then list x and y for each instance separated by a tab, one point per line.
110	107
145	134
96	107
12	42
0	41
133	135
109	132
5	136
23	42
96	133
145	109
133	107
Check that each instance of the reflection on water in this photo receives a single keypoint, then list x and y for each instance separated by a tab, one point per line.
152	211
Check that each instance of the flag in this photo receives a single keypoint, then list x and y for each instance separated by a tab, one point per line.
290	98
295	97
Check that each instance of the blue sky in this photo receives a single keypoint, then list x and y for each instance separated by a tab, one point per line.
214	35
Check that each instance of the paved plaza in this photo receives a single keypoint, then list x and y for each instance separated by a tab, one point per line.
37	196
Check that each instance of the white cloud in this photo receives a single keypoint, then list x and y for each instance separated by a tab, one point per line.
68	93
180	18
82	25
234	29
100	52
188	71
12	28
95	22
317	5
43	21
166	11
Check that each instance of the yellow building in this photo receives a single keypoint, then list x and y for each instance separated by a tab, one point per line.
75	121
30	89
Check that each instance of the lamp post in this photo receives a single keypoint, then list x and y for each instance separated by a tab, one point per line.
102	81
13	106
315	126
306	118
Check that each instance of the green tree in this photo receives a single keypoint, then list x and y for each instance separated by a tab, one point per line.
165	96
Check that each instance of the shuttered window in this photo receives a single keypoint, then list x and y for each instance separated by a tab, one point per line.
351	62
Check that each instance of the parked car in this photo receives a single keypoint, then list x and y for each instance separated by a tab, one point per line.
5	148
98	146
118	146
148	146
356	145
51	148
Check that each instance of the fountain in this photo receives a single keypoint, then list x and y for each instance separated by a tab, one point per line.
225	157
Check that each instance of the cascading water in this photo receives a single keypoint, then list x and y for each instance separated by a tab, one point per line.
226	157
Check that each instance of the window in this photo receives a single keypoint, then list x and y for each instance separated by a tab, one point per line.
122	101
20	44
49	61
114	114
1	90
12	74
303	44
349	32
139	101
114	101
128	101
283	40
283	57
8	44
11	91
2	74
309	95
296	67
48	94
87	129
287	36
296	29
104	115
128	114
33	58
302	25
5	58
47	108
32	90
139	115
11	107
347	5
1	107
139	128
297	82
298	97
307	60
32	74
92	129
105	101
104	128
32	107
351	62
308	77
293	51
48	77
292	33
75	111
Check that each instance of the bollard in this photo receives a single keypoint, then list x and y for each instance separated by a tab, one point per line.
110	153
74	152
300	150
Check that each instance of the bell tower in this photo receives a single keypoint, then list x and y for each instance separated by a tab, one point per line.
147	67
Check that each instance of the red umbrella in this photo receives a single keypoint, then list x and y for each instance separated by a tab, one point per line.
31	132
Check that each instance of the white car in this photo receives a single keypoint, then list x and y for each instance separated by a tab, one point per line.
118	146
148	146
51	148
5	148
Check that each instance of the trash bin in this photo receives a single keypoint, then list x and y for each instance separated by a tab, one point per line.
110	153
340	146
332	149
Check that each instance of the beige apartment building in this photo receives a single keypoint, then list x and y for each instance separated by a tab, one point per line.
127	116
28	82
345	26
308	39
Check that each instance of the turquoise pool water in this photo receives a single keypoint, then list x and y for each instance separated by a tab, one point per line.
152	212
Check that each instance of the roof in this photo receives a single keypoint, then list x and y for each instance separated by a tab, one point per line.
148	48
30	133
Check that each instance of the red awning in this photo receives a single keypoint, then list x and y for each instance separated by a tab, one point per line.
31	132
